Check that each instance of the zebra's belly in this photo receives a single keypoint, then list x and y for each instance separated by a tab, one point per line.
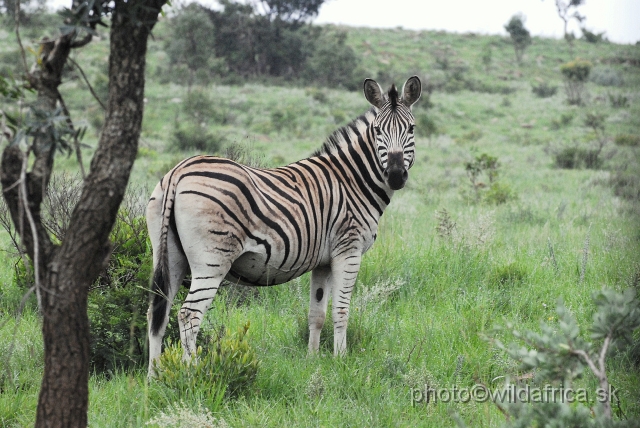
253	269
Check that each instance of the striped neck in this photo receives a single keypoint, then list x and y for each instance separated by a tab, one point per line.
354	146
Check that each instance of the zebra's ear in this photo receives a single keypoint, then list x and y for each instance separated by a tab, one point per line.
411	91
373	93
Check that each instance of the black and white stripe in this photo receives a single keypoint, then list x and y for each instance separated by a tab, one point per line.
220	219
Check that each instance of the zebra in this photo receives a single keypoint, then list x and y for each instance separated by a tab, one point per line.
220	220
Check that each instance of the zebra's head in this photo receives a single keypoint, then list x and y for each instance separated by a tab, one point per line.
393	128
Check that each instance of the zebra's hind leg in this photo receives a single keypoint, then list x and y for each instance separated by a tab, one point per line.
319	296
344	271
205	282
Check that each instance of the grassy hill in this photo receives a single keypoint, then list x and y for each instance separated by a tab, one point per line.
454	256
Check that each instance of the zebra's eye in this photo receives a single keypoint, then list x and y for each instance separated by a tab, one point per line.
377	128
411	127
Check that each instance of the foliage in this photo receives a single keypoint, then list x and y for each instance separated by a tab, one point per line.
592	37
606	76
30	11
629	140
192	43
520	36
618	101
560	353
544	90
487	56
228	366
506	275
333	63
190	136
254	44
576	74
180	415
564	120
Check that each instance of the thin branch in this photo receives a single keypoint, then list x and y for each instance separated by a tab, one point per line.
87	82
22	54
76	143
85	41
32	224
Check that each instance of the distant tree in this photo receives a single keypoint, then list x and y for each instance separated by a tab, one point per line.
333	63
567	10
28	8
291	11
192	41
268	37
520	36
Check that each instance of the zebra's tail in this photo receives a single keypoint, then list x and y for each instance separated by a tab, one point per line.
159	296
160	283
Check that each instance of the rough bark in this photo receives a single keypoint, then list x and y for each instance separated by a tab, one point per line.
68	270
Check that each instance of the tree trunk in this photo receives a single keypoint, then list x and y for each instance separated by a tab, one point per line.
68	270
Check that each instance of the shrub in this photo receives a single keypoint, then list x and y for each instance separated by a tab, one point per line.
606	76
118	300
510	274
626	185
576	74
618	101
565	120
228	366
627	140
425	123
591	37
573	157
559	353
333	62
195	137
498	193
544	90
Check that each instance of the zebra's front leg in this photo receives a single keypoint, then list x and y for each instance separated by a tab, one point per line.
344	271
319	296
204	286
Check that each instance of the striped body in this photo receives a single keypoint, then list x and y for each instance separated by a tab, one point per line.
222	220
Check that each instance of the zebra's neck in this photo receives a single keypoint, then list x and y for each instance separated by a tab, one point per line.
353	147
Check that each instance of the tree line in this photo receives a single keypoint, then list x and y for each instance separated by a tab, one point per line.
266	39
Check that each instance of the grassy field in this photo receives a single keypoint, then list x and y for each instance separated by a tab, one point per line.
452	260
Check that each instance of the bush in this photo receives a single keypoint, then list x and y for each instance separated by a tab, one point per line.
426	125
565	120
510	274
196	137
591	37
573	157
628	140
544	90
333	62
227	367
626	185
118	300
499	193
576	74
606	76
618	101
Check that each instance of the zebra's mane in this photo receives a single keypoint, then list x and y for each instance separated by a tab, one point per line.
338	139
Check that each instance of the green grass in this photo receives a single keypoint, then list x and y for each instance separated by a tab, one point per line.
496	265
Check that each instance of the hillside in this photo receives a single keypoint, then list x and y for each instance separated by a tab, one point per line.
456	255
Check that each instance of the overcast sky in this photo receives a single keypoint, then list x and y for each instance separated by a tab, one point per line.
620	19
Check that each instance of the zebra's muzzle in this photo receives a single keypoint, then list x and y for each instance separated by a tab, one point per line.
396	177
396	174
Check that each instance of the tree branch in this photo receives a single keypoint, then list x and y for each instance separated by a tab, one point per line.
75	64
